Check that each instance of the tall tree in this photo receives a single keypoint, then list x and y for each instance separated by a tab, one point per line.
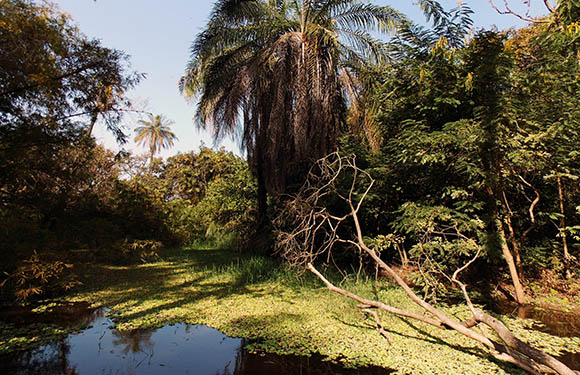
49	80
279	74
155	134
52	76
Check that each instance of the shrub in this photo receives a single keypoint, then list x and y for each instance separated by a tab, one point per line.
143	251
37	278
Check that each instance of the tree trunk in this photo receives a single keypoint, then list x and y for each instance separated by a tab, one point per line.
563	229
151	156
507	254
513	240
496	223
92	124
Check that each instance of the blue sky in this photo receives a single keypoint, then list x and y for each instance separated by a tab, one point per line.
157	35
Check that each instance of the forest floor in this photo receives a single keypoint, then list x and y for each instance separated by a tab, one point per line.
283	312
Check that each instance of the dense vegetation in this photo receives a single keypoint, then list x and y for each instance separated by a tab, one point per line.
482	137
471	137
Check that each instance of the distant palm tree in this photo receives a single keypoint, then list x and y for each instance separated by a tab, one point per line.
156	134
280	74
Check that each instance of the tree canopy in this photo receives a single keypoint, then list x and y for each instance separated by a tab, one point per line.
279	75
155	134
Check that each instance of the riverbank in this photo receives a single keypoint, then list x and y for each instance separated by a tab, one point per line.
285	313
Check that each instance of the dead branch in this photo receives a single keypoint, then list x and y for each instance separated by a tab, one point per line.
375	315
371	303
306	230
524	17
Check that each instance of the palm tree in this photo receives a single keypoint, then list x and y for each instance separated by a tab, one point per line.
279	75
156	134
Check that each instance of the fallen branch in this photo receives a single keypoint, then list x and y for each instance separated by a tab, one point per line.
380	328
299	244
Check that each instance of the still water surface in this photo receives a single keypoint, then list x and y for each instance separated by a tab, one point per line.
175	349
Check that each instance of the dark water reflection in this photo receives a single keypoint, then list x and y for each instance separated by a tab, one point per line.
175	349
64	315
554	322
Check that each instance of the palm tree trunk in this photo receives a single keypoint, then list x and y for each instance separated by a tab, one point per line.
152	154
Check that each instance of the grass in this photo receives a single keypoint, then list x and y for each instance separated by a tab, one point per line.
284	312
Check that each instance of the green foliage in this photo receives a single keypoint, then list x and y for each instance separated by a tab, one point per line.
230	203
188	175
37	278
52	75
155	134
55	84
568	12
282	312
210	195
478	132
143	250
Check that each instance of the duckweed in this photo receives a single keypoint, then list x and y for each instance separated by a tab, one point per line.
283	312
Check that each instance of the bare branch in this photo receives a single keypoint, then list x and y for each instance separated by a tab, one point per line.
380	329
527	18
305	230
371	303
549	6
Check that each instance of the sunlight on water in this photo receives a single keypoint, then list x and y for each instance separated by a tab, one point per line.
174	349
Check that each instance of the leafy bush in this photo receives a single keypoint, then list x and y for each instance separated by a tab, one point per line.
225	214
128	252
144	251
37	278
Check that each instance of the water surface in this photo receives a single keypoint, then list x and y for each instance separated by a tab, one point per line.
555	322
173	349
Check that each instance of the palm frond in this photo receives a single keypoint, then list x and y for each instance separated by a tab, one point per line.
454	25
268	73
361	16
368	49
155	133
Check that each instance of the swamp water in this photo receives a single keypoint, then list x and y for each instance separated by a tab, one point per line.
554	322
173	349
190	349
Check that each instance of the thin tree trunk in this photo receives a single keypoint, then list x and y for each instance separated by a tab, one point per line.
403	255
513	240
497	225
92	124
563	229
534	203
507	254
